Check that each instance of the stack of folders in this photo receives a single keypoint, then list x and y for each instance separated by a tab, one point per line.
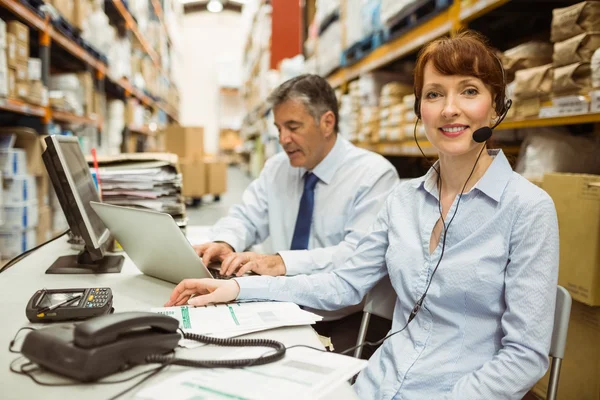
235	319
143	180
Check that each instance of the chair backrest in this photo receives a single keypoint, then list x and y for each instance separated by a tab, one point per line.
562	313
381	300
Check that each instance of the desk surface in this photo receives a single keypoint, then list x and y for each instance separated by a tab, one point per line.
132	291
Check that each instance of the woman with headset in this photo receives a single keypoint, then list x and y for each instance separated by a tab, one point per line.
471	249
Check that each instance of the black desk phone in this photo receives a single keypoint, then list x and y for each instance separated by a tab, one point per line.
90	350
68	304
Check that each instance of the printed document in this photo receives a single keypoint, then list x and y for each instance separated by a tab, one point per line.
302	374
238	318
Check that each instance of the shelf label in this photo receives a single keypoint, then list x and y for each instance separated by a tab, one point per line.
570	105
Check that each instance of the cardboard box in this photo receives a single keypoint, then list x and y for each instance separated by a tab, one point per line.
216	176
194	178
577	201
12	83
22	52
3	32
4	83
22	72
28	140
186	142
11	50
66	8
19	189
22	90
37	94
34	69
44	228
87	84
581	365
19	30
42	188
229	139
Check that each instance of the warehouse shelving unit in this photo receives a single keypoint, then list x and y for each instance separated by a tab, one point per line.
450	20
48	36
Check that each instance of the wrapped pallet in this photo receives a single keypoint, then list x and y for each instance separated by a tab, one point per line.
533	82
579	48
574	20
573	78
526	55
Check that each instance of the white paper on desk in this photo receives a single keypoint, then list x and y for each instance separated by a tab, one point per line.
238	317
302	374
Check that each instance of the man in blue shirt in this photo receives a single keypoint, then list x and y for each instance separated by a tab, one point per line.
315	199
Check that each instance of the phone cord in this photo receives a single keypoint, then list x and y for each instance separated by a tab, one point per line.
246	362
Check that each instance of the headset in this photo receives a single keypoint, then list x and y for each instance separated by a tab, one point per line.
481	135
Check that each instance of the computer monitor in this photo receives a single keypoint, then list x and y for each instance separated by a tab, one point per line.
75	188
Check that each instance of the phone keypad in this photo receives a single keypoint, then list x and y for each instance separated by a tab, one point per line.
97	298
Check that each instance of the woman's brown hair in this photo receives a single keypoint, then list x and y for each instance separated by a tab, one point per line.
468	54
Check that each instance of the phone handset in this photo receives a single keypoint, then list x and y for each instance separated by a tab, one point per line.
100	331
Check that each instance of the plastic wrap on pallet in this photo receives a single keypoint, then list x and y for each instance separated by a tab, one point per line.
362	19
325	8
391	8
329	49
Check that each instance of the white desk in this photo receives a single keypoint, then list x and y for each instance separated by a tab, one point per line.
132	291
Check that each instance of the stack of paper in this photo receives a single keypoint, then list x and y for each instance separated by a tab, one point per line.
302	374
235	319
152	182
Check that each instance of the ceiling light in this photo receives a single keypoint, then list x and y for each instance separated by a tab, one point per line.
214	6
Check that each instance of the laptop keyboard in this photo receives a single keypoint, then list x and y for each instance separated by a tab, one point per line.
217	275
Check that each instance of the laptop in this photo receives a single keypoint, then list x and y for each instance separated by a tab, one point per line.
155	243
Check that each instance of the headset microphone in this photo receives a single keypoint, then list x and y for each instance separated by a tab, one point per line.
481	135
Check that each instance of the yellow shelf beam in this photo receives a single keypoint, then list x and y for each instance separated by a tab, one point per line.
554	121
63	116
43	25
440	25
408	148
132	25
21	107
479	8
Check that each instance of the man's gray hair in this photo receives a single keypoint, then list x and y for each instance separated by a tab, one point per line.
313	91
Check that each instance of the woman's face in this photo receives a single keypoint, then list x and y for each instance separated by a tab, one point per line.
452	108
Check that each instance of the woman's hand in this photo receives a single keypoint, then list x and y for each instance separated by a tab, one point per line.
200	292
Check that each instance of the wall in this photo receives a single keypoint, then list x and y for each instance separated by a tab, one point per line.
209	39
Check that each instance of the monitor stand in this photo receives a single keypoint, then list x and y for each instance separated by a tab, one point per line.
82	263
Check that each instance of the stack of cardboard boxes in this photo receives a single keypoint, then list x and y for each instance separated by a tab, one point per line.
74	11
20	75
26	214
577	201
202	174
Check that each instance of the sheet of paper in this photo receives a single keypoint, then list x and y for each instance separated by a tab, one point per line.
238	317
302	374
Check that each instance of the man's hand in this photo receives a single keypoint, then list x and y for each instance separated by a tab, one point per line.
251	262
204	291
213	251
